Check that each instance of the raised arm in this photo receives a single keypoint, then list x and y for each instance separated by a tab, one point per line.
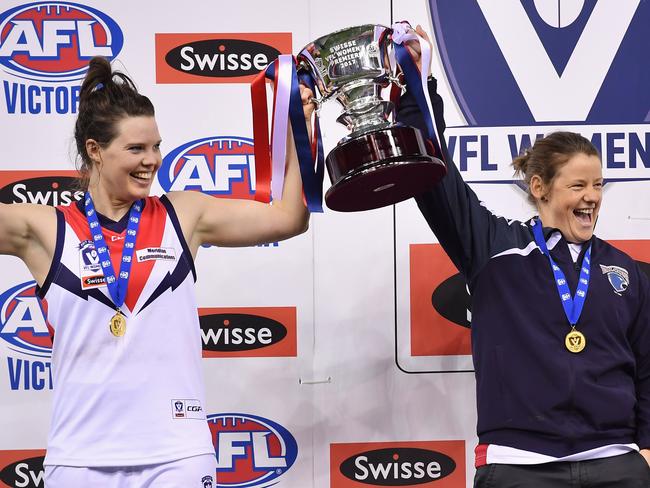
226	222
466	229
28	232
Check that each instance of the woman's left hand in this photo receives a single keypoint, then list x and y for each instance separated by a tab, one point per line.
308	104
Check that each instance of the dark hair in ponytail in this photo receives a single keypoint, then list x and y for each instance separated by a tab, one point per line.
106	97
549	154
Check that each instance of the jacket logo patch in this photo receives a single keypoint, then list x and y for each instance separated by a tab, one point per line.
618	277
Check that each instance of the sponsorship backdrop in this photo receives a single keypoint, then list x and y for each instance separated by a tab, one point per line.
340	358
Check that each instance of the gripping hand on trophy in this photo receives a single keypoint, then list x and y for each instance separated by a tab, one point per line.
415	48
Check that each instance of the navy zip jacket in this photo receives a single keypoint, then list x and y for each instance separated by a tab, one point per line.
532	393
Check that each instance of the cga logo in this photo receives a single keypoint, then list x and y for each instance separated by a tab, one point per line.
53	41
23	322
223	166
251	451
46	190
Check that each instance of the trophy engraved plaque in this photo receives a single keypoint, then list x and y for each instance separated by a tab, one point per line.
379	163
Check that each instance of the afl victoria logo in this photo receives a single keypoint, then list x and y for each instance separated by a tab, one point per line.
47	190
23	323
397	466
252	452
25	473
53	41
545	61
239	332
221	57
223	166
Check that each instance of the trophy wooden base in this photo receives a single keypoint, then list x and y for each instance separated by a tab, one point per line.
381	168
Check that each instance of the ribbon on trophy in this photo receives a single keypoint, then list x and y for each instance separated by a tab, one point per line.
270	158
416	79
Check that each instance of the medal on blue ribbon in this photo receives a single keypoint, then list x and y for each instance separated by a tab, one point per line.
575	341
117	286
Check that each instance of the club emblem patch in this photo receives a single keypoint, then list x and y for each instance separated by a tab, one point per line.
618	277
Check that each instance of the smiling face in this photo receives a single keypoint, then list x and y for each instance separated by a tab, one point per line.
572	200
123	170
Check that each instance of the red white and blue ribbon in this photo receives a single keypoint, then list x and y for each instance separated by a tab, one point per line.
416	80
270	158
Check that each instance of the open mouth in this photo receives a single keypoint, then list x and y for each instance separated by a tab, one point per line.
143	176
584	215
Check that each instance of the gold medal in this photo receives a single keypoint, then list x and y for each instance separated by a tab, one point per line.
118	324
575	341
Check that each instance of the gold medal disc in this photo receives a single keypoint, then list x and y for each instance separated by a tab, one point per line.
118	325
575	341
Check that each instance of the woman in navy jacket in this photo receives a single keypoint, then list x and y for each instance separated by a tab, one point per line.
560	322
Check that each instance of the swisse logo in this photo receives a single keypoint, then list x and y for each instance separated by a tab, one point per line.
217	57
249	331
451	300
221	57
239	332
53	41
47	190
220	166
252	452
24	473
397	467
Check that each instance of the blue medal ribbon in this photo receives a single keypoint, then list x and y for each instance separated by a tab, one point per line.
572	306
117	286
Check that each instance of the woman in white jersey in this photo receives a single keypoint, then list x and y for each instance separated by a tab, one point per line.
116	270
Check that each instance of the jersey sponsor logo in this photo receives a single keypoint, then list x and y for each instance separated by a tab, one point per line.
249	332
207	481
555	63
216	58
252	452
398	464
43	187
220	166
22	469
187	409
155	254
90	267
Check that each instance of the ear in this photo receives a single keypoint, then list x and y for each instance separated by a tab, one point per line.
93	148
537	188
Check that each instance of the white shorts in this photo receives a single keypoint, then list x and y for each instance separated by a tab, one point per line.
191	472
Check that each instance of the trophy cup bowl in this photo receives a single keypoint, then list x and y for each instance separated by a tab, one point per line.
379	163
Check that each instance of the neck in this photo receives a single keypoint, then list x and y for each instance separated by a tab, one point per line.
109	206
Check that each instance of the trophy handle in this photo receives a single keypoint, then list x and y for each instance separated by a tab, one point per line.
395	79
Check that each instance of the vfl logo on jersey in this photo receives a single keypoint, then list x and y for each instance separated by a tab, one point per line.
397	464
216	58
22	468
545	61
90	267
220	166
25	187
248	332
618	277
252	452
53	41
23	322
187	409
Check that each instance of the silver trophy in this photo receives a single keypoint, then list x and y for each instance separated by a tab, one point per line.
379	163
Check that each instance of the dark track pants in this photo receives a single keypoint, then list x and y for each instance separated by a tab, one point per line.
626	471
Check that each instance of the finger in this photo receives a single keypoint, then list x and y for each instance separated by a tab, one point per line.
421	32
